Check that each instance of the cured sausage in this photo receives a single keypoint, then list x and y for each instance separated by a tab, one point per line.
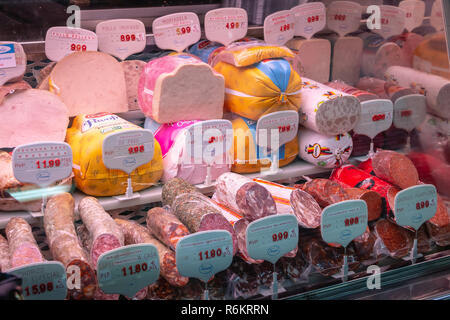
65	245
364	245
325	191
246	197
162	290
395	168
23	249
196	211
165	226
240	228
4	254
362	95
135	234
105	234
395	239
371	198
294	201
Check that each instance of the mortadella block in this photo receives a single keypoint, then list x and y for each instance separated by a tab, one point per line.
347	56
132	70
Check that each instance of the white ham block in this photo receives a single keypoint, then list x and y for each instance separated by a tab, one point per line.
346	63
12	74
180	87
89	82
327	110
133	70
315	57
30	116
435	88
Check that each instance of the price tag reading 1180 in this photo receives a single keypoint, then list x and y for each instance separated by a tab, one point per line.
42	163
226	25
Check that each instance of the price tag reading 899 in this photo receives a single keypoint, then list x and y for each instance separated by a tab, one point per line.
344	17
176	31
279	27
42	163
226	25
128	149
203	254
310	18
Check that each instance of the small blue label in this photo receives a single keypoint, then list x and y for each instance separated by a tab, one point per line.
6	48
271	237
203	254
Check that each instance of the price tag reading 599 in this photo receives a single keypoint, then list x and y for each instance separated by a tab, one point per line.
203	254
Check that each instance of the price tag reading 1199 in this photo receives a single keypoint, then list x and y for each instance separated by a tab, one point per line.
42	163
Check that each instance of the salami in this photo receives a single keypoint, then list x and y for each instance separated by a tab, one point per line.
358	93
364	245
165	226
196	211
105	234
440	235
65	245
326	110
395	168
162	290
240	227
371	198
246	197
325	191
4	254
394	238
23	249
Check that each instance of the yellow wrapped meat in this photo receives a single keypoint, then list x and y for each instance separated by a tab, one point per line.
248	157
86	136
265	87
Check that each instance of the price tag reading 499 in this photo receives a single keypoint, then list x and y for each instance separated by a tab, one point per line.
272	237
42	163
279	27
226	25
129	269
203	254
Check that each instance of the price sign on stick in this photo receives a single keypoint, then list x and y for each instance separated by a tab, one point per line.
128	269
414	13
121	37
342	222
226	25
42	281
127	150
279	27
61	41
203	254
413	207
437	17
270	238
176	31
309	19
344	17
392	21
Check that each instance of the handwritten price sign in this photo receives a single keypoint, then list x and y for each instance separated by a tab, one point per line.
226	25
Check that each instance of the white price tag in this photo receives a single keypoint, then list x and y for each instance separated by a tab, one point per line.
392	21
310	18
279	27
127	150
206	140
344	17
42	163
176	31
285	123
226	25
376	117
61	41
414	13
410	111
437	17
121	37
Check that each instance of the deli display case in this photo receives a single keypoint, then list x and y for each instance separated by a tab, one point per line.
225	150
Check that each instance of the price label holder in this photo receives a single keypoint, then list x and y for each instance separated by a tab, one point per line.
414	13
341	223
121	37
226	25
42	164
413	207
344	17
437	17
376	117
42	281
310	18
128	269
176	31
409	112
61	41
279	27
206	141
274	130
392	21
126	151
203	254
270	238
